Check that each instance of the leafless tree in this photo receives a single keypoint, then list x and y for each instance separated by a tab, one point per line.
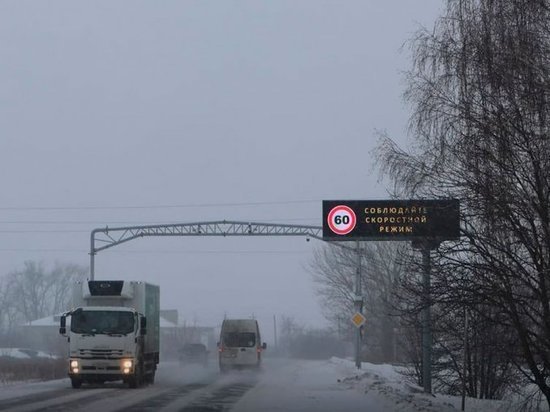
63	276
289	330
334	270
34	292
479	89
489	371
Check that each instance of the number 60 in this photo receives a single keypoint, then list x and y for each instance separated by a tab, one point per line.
341	219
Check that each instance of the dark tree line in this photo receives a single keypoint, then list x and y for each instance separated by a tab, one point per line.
479	89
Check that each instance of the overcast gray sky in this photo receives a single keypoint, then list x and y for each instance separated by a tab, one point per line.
254	110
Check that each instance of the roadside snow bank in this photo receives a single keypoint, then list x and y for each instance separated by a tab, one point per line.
388	382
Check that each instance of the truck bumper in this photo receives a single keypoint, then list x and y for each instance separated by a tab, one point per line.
89	370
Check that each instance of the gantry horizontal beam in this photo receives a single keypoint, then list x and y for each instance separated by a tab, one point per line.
112	236
109	237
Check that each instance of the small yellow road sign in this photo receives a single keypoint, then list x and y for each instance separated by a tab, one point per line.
358	319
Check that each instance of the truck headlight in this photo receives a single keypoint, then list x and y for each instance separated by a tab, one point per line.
127	366
73	364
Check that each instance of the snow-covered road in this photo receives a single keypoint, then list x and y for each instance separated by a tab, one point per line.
301	385
336	385
291	385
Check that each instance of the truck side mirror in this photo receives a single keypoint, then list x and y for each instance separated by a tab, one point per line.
264	345
143	326
63	325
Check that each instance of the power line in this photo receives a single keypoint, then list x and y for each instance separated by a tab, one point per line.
133	222
218	252
37	231
184	252
177	206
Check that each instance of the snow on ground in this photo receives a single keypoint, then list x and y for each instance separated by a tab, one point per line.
23	353
337	385
292	385
9	390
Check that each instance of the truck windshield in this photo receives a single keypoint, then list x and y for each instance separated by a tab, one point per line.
102	321
239	339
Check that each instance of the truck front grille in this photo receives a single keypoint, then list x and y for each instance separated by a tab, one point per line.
95	368
101	353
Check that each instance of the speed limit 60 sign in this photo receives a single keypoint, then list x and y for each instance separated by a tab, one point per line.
410	219
341	219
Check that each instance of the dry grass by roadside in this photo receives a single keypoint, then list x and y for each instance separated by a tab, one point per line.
13	370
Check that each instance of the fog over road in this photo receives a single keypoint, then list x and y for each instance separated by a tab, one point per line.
176	389
281	385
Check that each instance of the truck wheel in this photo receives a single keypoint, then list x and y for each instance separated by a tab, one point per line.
135	381
76	383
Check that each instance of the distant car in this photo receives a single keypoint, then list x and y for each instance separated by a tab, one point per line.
193	353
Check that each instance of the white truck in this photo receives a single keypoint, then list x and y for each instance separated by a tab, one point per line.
113	332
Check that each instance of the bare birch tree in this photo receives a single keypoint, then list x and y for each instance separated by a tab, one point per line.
479	89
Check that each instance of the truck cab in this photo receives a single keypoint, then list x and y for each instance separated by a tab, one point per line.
108	335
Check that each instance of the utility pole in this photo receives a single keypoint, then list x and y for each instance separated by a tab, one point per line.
275	330
357	297
358	302
465	356
426	323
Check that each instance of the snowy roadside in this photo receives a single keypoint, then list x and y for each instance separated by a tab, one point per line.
293	385
387	382
26	388
336	385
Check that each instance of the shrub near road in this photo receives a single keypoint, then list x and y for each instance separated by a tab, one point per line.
27	365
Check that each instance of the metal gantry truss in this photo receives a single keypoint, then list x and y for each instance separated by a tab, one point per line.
109	237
